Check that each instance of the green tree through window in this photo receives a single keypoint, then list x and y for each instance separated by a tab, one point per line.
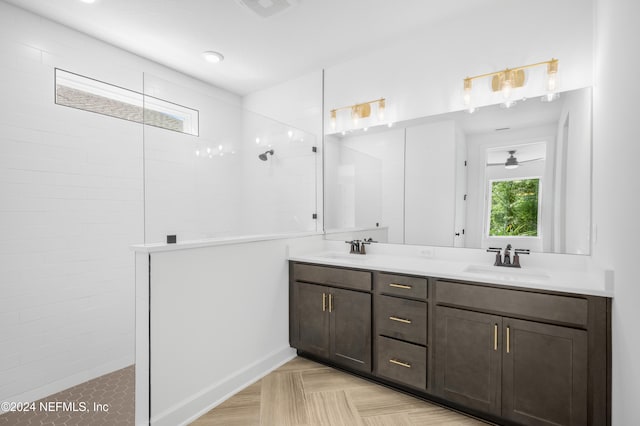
514	208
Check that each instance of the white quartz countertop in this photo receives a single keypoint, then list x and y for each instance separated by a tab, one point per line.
587	282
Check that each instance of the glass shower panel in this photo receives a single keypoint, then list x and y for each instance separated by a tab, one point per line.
240	174
278	177
188	189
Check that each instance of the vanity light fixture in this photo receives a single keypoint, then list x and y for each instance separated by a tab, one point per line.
507	80
213	57
359	111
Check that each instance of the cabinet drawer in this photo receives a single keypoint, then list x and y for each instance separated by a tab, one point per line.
401	285
402	362
348	278
550	307
401	319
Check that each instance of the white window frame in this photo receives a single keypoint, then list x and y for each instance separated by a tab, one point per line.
188	116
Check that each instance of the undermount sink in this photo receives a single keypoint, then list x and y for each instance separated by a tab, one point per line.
506	273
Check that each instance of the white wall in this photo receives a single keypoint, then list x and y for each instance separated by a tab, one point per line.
277	195
339	187
573	173
219	321
226	190
298	103
365	180
616	185
72	203
461	170
184	193
423	76
430	178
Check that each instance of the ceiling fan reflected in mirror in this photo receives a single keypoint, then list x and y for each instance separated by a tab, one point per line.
512	161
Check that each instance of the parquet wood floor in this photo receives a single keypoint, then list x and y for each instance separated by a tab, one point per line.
305	393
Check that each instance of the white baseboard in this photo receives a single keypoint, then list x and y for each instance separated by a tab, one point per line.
201	402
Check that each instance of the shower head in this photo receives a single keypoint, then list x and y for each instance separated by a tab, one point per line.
263	156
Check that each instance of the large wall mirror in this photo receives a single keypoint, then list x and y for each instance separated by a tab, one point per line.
519	175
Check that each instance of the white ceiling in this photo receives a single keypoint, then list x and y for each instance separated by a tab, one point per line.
259	52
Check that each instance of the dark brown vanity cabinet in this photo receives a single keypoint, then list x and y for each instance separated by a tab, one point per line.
532	372
511	355
400	324
328	321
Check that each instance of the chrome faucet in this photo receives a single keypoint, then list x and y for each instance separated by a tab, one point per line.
506	259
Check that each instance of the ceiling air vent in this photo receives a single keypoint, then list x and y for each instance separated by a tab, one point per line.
267	8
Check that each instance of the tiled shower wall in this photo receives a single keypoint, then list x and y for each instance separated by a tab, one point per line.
193	197
214	185
71	202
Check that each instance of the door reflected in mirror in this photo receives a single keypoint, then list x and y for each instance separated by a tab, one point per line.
517	176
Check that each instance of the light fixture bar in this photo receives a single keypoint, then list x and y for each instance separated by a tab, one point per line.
360	106
359	111
552	67
511	78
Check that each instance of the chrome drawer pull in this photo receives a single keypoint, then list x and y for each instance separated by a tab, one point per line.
400	363
406	287
402	320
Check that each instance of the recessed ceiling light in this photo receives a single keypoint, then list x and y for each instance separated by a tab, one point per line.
213	57
88	1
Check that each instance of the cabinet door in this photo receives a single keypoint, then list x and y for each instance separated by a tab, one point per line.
468	358
544	374
351	328
312	318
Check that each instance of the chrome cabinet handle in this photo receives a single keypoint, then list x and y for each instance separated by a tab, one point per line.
495	337
508	339
324	302
330	302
